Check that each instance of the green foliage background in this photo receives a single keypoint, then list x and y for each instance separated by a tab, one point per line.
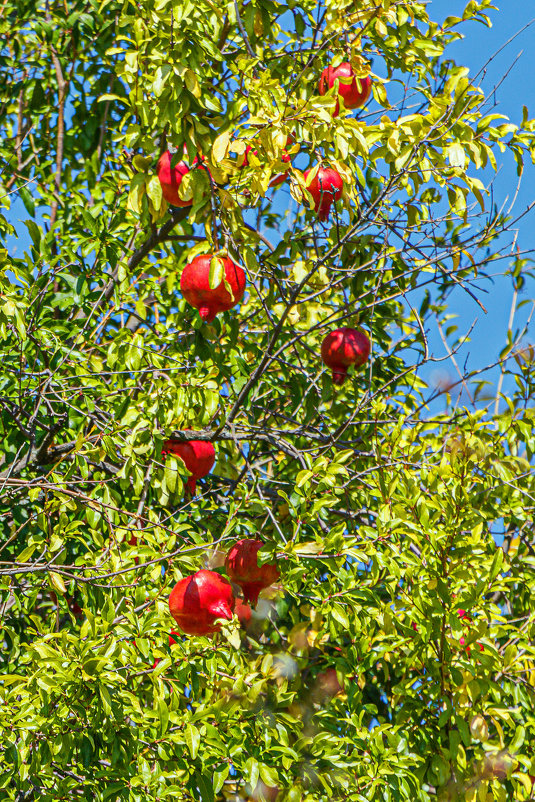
382	514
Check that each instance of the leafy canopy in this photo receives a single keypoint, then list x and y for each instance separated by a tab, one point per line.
393	660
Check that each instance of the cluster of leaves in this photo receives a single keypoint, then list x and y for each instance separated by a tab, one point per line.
403	537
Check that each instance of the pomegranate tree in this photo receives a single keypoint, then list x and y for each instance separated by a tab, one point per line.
326	187
342	348
243	569
353	90
197	455
197	601
212	287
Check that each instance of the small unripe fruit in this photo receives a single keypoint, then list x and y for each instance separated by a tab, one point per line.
171	178
354	91
197	601
195	286
342	348
325	187
243	569
197	455
328	684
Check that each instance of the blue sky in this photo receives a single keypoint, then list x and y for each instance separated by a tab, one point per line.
515	65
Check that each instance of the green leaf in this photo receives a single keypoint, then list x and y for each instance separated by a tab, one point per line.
137	191
163	714
193	739
109	97
57	582
456	155
217	272
268	775
339	614
172	472
154	191
220	775
497	563
27	199
220	147
35	232
252	771
205	787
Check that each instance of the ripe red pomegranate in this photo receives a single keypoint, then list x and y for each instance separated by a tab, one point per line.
281	178
248	150
198	600
244	612
286	158
133	542
197	455
171	642
354	91
342	348
326	188
195	286
243	569
75	608
171	178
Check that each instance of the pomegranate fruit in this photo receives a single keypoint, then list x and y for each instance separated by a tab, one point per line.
133	542
195	286
342	348
281	178
197	601
354	91
286	158
244	612
197	455
75	608
328	684
248	150
171	178
243	569
171	642
325	187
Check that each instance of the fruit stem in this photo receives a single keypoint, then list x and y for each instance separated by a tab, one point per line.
339	375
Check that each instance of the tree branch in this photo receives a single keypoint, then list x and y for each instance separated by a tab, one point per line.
37	454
